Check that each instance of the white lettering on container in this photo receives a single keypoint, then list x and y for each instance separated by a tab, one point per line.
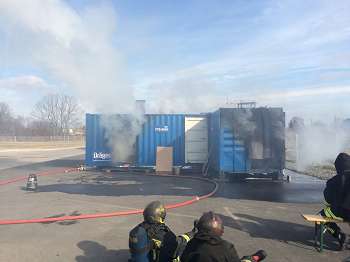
102	156
162	129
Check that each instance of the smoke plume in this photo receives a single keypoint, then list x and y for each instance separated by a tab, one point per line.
76	50
319	145
121	132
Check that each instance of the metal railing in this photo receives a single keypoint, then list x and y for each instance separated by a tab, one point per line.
41	138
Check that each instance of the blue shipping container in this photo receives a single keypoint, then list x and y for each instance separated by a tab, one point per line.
226	152
97	152
161	130
158	130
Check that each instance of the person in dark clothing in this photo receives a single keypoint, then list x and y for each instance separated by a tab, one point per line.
208	246
337	196
165	245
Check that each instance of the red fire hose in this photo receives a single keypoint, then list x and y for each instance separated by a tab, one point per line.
92	216
46	173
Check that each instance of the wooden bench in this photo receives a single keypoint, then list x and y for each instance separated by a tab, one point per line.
320	227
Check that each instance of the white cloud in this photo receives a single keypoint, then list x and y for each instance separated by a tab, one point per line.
321	91
22	92
289	34
286	63
24	83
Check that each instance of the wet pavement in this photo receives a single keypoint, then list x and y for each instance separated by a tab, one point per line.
301	189
125	184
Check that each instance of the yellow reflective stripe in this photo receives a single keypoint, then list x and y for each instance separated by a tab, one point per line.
176	259
157	242
327	210
186	237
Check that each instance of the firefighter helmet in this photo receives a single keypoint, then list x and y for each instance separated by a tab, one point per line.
211	222
154	212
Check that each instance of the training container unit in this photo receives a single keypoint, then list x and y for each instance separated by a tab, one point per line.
186	134
247	142
161	130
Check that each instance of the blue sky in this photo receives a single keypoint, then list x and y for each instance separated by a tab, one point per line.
179	55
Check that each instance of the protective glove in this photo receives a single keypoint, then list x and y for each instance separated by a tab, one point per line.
258	256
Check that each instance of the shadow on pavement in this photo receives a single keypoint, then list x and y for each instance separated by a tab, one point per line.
287	232
126	185
64	222
95	252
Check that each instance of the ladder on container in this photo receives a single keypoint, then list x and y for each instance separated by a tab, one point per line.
205	168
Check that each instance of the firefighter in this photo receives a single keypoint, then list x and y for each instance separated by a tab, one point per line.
153	240
208	246
337	197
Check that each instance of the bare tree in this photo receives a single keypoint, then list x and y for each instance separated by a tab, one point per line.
6	119
59	111
39	128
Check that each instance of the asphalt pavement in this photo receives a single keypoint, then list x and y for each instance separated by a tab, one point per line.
19	157
257	214
301	189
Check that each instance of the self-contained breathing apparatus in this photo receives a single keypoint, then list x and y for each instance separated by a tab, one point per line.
152	240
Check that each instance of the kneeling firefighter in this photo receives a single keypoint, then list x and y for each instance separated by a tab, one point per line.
208	246
153	241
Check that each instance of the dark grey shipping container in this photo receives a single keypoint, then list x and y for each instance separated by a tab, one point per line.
247	141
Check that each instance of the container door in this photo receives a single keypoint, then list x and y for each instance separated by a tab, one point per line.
240	159
196	139
233	153
227	150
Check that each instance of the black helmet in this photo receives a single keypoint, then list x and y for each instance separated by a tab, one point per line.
211	222
154	212
342	163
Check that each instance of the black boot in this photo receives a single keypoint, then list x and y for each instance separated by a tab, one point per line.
347	245
342	239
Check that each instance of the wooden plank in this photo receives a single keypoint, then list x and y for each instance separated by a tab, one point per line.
164	161
318	218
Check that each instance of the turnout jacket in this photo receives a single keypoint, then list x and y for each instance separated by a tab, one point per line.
207	247
337	191
166	246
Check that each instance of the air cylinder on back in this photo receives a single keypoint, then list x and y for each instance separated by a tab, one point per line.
139	245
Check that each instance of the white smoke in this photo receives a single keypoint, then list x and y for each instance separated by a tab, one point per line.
121	132
76	49
185	95
319	145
